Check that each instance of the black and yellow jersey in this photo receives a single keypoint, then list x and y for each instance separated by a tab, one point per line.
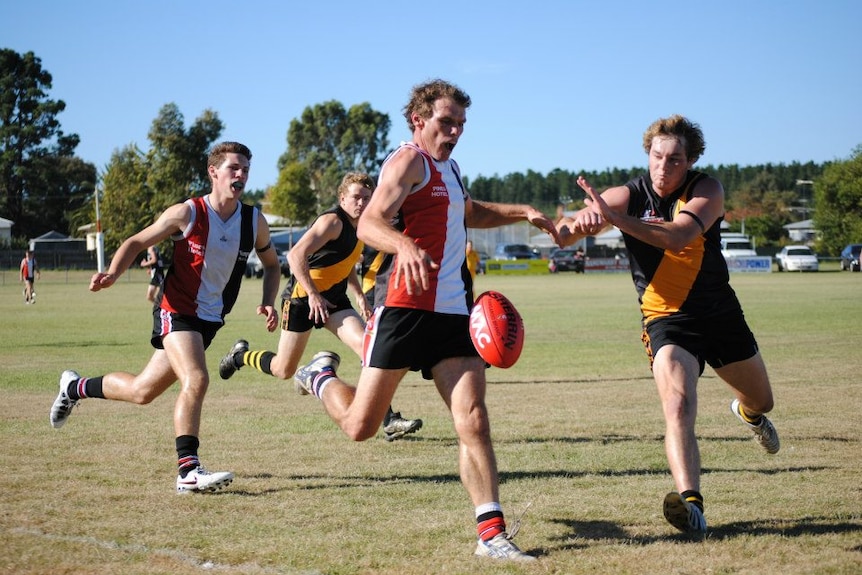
694	280
331	265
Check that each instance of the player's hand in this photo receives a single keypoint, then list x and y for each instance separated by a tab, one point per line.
271	316
599	214
543	222
318	308
364	308
101	281
412	268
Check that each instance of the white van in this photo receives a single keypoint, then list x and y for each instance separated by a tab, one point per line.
736	245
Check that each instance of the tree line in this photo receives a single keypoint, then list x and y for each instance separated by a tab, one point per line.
44	186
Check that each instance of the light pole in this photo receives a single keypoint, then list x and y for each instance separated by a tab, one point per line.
804	200
100	239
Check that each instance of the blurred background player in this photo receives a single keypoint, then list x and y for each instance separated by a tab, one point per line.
29	273
322	264
212	236
156	266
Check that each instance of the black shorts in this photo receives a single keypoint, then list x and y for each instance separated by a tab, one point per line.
165	322
396	338
718	341
294	313
157	277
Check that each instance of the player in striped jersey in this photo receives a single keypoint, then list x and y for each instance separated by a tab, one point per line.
670	221
213	236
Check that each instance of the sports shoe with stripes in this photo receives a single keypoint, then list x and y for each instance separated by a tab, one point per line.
199	480
683	515
227	366
62	408
304	376
501	547
764	432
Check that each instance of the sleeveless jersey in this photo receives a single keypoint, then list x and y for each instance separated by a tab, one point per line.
209	261
330	266
433	216
692	281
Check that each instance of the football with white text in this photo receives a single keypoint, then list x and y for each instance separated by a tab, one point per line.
496	329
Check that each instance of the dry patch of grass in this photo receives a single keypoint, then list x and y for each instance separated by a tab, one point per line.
577	427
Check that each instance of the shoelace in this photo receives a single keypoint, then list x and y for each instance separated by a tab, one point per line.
517	525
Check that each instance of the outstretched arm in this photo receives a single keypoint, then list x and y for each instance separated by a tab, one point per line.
704	208
171	221
492	215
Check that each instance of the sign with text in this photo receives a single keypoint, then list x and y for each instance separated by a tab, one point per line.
753	264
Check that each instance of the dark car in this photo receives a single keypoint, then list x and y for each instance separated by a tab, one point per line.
850	257
565	260
514	252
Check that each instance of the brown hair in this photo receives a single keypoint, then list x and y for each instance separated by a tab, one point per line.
355	178
423	96
220	150
681	128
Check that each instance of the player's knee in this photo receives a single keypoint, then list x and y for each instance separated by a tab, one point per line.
475	424
360	431
144	396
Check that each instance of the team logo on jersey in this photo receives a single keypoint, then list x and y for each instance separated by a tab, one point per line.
649	215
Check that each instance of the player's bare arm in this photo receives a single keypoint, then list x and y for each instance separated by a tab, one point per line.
403	171
705	207
326	228
271	273
355	287
173	220
491	215
590	221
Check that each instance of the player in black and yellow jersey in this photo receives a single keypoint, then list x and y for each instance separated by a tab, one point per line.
670	222
322	265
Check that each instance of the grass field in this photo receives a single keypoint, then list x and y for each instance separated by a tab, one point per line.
576	423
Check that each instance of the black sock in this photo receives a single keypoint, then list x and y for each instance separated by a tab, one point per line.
85	387
388	417
187	453
693	497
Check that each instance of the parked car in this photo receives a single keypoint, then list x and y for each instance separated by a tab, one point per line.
513	252
566	260
254	267
850	257
797	259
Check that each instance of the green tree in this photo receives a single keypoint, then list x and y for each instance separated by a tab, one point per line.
36	157
292	197
329	141
125	198
177	159
838	202
139	186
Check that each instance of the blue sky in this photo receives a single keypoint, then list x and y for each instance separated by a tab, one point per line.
555	84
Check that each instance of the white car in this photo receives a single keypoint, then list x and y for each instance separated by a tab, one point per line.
797	259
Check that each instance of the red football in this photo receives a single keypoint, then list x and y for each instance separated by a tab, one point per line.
496	329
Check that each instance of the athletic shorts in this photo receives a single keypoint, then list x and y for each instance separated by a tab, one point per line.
718	341
396	338
165	322
157	277
294	313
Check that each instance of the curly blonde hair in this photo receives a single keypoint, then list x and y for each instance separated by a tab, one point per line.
681	128
360	178
423	96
